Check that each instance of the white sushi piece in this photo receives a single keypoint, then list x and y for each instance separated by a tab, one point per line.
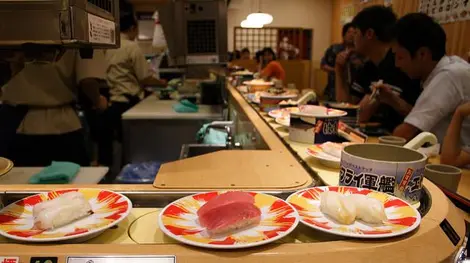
332	149
368	209
61	211
338	206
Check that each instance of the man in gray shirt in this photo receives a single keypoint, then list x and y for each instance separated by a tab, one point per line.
420	52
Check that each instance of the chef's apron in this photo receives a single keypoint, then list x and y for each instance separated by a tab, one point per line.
39	85
11	117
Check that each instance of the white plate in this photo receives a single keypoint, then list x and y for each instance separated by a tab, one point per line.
109	208
284	121
251	97
251	83
282	112
319	112
326	159
242	73
402	217
179	221
342	105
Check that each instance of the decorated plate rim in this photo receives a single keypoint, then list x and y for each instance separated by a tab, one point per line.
55	239
321	158
273	115
361	236
235	246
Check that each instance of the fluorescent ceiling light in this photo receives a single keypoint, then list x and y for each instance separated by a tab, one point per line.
250	24
260	18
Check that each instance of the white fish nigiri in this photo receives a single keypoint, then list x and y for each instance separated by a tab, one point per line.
338	206
333	149
61	211
368	209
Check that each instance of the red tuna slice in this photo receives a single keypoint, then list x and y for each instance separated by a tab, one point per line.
228	212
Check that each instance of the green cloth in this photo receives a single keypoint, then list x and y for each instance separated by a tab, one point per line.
185	106
56	173
212	137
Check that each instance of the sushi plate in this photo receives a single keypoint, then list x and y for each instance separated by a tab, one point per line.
402	217
109	208
324	158
5	166
283	120
282	112
179	221
252	98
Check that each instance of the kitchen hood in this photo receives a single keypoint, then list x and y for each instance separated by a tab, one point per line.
195	30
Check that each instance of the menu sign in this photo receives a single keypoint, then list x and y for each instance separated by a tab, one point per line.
446	11
101	30
123	259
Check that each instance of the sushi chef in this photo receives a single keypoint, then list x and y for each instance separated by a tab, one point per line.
127	74
38	120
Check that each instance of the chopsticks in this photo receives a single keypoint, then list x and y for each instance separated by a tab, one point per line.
459	201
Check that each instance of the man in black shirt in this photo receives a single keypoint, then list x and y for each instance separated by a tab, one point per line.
397	92
329	59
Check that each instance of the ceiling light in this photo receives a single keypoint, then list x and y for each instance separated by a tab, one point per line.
250	24
260	18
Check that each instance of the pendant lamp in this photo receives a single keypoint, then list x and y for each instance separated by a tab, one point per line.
250	24
259	17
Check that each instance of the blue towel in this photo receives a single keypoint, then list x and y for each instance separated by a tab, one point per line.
213	136
56	173
185	106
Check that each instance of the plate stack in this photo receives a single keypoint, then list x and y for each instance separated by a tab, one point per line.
352	119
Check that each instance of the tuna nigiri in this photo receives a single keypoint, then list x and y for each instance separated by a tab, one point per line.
229	212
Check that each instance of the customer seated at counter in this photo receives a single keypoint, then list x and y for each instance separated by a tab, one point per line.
128	72
398	93
329	59
420	52
245	54
271	68
452	152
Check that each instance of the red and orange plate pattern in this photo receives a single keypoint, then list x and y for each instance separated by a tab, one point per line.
402	217
179	221
110	208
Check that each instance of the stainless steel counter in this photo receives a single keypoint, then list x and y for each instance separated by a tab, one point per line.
153	131
151	108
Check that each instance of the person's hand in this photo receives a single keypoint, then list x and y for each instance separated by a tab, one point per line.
464	109
102	103
342	58
386	94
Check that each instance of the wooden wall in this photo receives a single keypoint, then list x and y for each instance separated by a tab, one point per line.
458	33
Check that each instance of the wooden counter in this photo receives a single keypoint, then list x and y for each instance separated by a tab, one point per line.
427	244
